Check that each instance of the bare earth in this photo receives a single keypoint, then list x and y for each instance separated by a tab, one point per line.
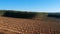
28	26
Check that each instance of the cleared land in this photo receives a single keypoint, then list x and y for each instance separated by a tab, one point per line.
29	26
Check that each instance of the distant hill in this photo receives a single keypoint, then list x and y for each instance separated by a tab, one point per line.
22	14
29	15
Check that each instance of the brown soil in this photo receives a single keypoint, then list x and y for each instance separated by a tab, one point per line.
29	26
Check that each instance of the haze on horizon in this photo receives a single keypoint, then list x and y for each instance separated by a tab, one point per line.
31	5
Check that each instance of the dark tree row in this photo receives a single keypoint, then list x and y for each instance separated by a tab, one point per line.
19	14
56	15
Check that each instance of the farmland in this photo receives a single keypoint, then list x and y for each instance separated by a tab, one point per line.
39	23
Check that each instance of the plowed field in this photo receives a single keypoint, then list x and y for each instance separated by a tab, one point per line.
29	26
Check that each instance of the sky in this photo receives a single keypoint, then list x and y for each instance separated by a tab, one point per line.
31	5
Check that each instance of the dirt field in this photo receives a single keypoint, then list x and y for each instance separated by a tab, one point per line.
29	26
